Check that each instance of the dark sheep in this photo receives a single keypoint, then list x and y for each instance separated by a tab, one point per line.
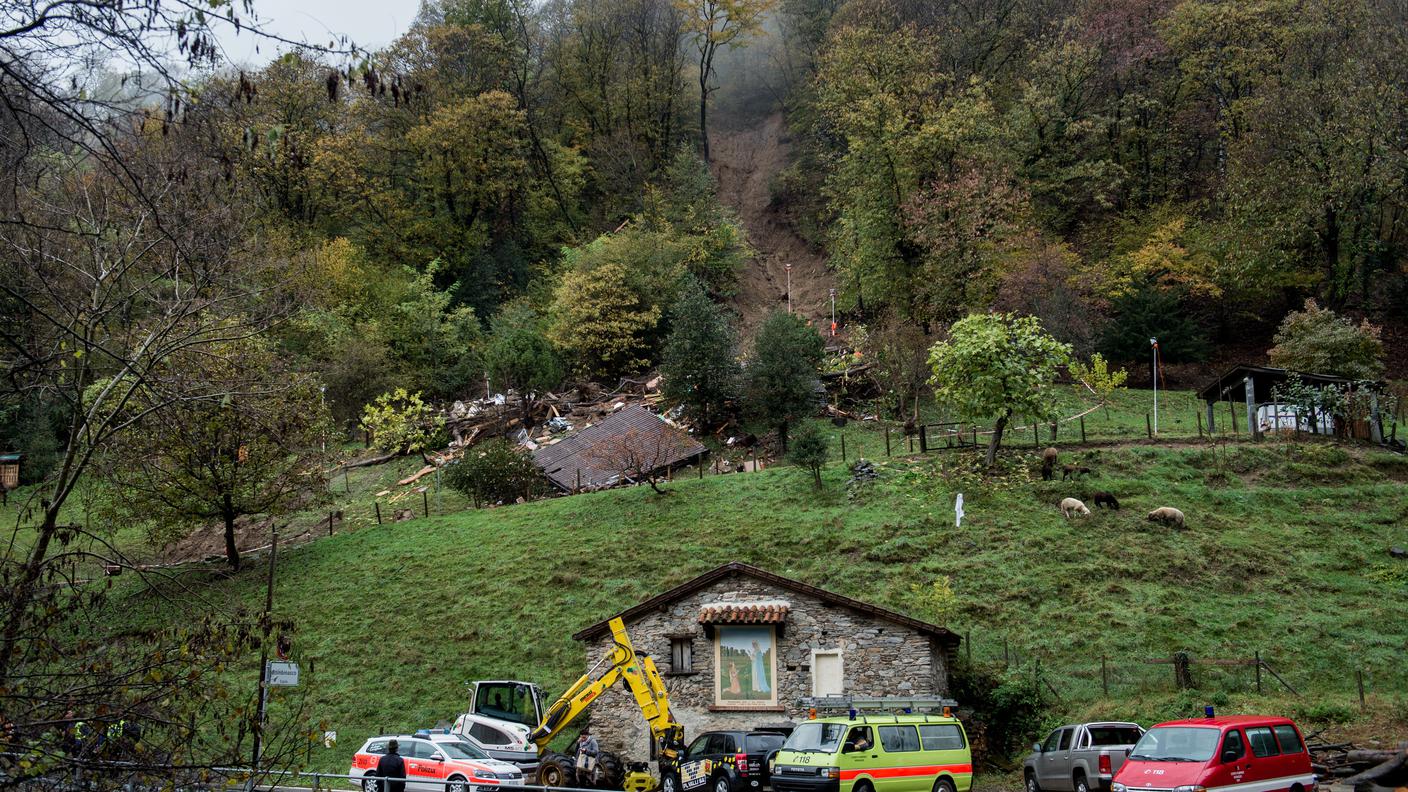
1074	471
1105	500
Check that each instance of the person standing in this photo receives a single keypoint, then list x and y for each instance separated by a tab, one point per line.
392	766
587	752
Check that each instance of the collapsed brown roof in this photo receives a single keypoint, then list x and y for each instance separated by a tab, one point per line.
634	441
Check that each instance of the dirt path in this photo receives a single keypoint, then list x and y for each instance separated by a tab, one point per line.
745	161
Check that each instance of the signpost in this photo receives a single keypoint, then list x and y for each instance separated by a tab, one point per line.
281	674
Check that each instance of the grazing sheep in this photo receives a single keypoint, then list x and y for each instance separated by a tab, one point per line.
1105	499
1074	471
1071	506
1167	515
1048	464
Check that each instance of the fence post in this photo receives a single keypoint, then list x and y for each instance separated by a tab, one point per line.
1359	677
968	644
1199	414
579	481
1104	677
425	502
1148	427
330	523
1082	430
1182	673
843	446
923	438
1258	672
1054	427
377	504
975	437
700	467
887	441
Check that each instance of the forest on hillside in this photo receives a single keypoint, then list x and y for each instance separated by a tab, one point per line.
512	194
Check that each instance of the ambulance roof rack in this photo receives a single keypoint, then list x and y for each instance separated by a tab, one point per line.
872	703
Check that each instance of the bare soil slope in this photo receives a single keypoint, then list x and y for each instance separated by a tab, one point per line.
745	161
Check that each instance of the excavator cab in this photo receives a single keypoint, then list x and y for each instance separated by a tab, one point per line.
511	701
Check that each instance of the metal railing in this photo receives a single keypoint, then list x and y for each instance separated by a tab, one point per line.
244	778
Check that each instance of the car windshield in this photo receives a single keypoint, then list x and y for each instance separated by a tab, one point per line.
1113	735
461	750
762	743
1176	744
823	737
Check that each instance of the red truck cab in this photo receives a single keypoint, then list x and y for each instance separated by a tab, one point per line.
1244	753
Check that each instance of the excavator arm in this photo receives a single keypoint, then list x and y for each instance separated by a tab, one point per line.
640	677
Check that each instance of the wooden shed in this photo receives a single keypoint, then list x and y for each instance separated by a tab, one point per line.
10	470
1251	388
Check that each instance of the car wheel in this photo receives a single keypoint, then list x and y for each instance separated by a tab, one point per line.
1081	784
370	784
669	783
943	785
721	784
456	785
1032	785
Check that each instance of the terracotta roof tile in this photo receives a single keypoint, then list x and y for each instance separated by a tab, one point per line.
744	613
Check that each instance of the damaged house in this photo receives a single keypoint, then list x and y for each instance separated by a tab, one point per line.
632	445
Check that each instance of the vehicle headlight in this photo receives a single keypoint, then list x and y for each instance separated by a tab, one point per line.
1190	788
829	772
1117	788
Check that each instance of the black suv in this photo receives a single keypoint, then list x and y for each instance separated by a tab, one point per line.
737	761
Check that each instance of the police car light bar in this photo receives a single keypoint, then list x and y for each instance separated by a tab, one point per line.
907	703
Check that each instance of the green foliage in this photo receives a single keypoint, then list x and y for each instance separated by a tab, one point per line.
1098	378
1004	708
401	422
600	322
1318	341
808	448
780	377
995	366
257	450
936	601
517	353
496	471
700	358
1154	313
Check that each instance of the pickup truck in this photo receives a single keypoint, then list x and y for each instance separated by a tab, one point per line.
1079	757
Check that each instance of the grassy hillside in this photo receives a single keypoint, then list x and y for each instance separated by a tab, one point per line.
1284	554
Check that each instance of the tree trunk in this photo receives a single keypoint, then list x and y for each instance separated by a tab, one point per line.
232	553
996	439
816	475
782	436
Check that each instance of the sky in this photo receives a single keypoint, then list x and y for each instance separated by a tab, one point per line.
370	24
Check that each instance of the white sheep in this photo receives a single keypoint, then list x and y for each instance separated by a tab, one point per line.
1167	515
1071	506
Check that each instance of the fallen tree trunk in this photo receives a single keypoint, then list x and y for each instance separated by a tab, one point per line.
368	462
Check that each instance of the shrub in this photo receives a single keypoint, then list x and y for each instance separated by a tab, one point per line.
400	422
809	450
1317	341
494	472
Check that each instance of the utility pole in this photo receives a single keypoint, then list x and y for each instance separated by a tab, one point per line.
264	656
788	268
1154	345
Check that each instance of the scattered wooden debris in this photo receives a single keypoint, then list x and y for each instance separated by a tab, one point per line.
417	476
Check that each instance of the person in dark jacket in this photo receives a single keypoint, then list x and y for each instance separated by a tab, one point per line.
392	766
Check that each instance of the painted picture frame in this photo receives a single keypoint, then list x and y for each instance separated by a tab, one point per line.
745	666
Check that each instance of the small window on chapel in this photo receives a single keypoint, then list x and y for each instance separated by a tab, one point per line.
681	655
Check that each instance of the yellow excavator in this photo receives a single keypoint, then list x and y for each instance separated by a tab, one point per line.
637	673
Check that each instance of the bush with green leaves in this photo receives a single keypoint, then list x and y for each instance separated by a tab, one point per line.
1097	376
700	359
780	380
1318	341
400	422
996	366
809	449
496	471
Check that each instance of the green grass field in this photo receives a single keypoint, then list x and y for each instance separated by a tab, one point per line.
1285	554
